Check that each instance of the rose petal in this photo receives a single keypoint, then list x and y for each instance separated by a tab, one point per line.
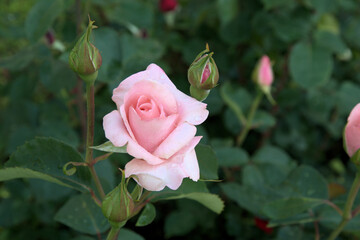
355	114
154	91
137	151
352	138
147	108
177	139
190	163
114	129
190	109
126	122
149	134
153	73
150	182
167	174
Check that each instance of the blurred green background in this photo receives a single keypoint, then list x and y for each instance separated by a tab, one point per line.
315	49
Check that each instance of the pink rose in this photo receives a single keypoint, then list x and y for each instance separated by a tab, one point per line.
352	131
156	121
265	72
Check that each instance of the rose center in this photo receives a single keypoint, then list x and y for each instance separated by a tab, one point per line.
147	108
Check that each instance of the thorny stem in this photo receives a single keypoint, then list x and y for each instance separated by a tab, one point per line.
113	234
242	136
347	215
334	206
90	107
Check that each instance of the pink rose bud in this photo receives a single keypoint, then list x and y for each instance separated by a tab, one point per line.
263	76
352	134
85	58
157	123
118	205
203	74
168	5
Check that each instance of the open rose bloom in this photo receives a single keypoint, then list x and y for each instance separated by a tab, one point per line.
156	121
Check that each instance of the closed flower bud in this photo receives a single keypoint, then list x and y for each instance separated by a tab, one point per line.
118	205
203	72
352	135
85	58
168	5
263	76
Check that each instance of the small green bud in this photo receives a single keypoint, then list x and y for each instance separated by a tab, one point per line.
203	72
198	94
85	58
118	205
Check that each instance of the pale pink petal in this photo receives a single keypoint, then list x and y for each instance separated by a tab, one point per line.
180	137
114	129
149	134
151	90
137	151
191	165
126	122
190	109
187	160
355	114
150	182
152	73
147	109
166	174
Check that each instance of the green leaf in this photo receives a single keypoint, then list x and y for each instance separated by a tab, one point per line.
82	214
109	147
56	75
270	157
297	219
209	200
20	60
48	156
207	162
270	4
231	156
310	65
146	216
349	96
138	53
263	120
18	172
127	234
227	10
287	207
330	41
291	232
252	177
308	182
187	186
124	13
41	17
179	223
251	199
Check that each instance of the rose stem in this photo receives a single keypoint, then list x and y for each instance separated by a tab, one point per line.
90	107
113	234
244	132
346	217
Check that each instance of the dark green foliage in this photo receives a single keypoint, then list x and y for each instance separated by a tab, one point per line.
280	174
